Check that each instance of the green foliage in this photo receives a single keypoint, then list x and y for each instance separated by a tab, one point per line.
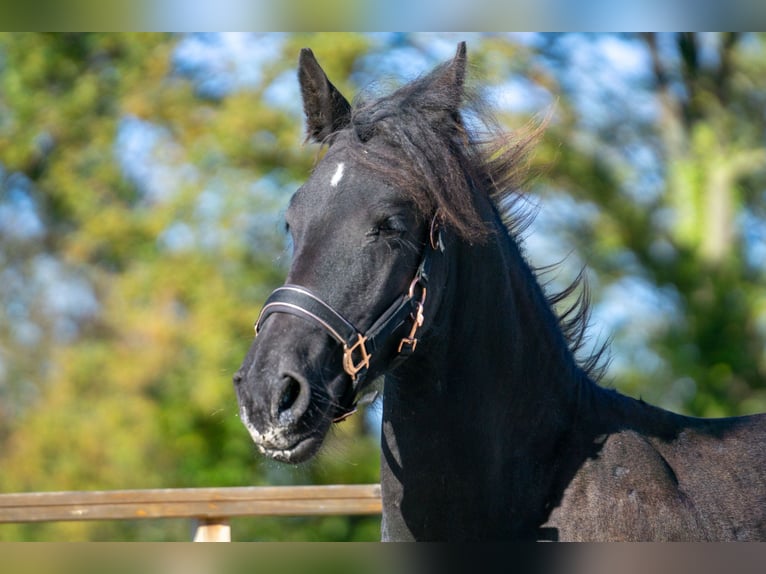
687	237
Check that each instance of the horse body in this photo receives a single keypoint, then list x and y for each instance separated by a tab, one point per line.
548	454
492	430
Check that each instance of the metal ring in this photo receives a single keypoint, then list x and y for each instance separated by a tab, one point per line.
411	292
433	234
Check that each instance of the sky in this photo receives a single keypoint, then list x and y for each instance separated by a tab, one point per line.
370	15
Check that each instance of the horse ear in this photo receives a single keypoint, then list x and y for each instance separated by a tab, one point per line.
325	107
445	88
456	68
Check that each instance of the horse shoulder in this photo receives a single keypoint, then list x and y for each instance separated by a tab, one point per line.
626	490
698	479
721	465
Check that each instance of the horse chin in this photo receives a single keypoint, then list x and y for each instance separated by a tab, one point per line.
301	451
285	444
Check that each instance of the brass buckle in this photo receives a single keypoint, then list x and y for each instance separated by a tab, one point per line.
418	318
416	324
348	356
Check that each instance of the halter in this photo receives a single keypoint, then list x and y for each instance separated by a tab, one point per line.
360	347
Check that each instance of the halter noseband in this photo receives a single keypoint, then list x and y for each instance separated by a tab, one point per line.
359	347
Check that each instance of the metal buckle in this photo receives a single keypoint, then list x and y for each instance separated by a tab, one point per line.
416	324
418	318
348	356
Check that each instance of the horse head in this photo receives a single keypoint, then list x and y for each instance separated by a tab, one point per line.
367	231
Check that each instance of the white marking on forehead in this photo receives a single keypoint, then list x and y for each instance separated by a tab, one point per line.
337	176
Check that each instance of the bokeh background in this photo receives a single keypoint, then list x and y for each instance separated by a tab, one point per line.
143	179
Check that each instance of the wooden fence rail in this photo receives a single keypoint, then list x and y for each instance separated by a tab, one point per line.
211	508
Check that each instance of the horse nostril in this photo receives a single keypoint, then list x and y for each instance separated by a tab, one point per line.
290	394
290	399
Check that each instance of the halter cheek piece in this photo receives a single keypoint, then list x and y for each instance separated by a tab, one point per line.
358	347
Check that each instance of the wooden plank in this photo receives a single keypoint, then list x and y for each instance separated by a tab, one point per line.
193	494
191	503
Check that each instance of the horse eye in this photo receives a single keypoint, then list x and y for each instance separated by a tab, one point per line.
392	224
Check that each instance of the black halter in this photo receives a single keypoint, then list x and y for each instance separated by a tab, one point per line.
358	347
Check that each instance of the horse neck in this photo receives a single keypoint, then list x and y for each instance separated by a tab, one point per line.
493	385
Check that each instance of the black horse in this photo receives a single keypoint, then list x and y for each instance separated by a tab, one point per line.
406	264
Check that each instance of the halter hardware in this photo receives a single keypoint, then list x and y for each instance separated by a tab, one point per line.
348	356
418	318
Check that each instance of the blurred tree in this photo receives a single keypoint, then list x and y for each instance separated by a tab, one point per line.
669	159
154	204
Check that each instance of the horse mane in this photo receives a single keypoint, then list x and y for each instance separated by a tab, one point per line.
443	158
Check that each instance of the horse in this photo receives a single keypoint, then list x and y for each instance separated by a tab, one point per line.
407	267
